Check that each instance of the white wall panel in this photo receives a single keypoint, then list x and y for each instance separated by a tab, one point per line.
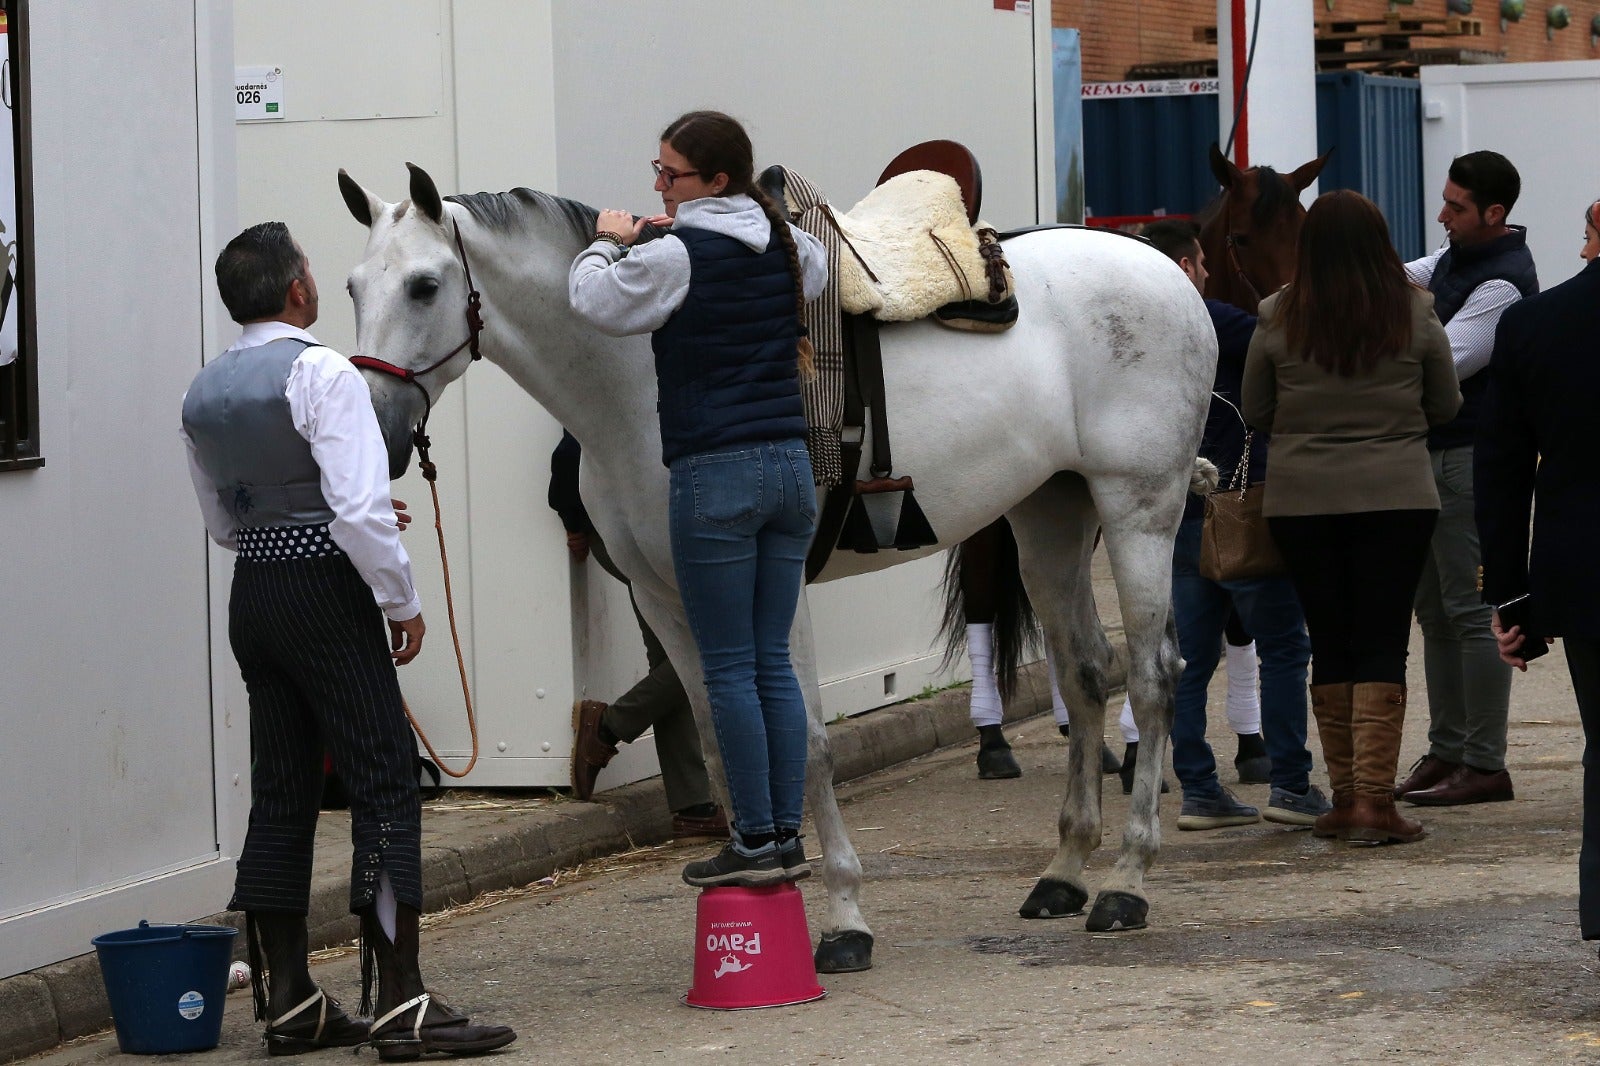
1545	118
107	709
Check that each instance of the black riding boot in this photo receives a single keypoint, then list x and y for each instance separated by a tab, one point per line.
409	1020
300	1017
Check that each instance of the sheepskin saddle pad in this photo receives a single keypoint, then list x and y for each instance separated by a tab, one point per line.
911	250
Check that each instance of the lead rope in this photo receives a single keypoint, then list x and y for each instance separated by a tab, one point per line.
431	473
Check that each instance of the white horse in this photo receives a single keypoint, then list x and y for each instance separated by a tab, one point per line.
1087	414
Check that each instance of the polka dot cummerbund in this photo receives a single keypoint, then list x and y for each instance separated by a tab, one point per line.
268	544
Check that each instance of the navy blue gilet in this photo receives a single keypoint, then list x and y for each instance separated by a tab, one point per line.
725	360
1458	272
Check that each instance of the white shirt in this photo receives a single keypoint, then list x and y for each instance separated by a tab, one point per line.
1471	330
332	409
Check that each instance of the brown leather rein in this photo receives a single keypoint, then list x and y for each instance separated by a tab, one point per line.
431	474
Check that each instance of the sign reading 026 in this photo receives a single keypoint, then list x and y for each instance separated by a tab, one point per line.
258	93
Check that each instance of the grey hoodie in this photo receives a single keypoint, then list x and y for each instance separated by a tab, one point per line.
636	292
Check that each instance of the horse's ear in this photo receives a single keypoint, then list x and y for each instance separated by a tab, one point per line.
1307	173
362	204
1222	167
425	194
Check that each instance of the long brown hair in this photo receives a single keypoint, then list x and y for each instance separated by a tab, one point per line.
715	143
1349	304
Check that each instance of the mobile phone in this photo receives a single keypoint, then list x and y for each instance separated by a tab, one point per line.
1516	612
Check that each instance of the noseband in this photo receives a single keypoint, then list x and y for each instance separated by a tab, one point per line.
474	328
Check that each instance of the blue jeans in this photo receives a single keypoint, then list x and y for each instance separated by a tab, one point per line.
1271	614
741	523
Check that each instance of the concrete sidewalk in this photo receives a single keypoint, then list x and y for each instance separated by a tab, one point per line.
477	842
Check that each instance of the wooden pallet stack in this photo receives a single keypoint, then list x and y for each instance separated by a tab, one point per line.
1390	45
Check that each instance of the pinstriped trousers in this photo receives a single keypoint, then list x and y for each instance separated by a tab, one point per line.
313	648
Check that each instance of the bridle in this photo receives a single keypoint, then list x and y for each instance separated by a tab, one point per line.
474	316
1238	269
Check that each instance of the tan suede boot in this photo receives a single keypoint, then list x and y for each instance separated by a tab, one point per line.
1331	705
1378	711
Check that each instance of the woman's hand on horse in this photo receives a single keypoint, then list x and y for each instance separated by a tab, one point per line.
620	224
578	546
402	517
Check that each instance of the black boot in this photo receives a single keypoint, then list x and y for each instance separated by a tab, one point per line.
410	1021
1109	763
1130	762
995	760
300	1017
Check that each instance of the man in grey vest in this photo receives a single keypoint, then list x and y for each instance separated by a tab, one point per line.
291	473
1484	268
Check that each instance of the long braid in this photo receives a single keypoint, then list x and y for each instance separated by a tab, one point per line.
805	357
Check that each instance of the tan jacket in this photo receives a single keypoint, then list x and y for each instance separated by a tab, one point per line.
1342	445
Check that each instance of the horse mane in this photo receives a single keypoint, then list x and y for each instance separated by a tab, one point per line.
510	211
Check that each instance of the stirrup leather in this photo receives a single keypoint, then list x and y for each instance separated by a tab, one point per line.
319	996
420	1002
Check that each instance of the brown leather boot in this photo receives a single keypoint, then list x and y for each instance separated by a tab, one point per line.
1377	714
1331	705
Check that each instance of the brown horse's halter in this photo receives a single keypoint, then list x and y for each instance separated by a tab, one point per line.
1238	269
431	473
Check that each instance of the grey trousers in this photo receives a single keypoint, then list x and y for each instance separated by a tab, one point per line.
1469	687
658	700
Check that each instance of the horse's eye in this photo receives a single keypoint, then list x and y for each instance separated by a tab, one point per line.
422	288
1240	240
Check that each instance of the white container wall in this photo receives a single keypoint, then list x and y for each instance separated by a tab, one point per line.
1545	118
495	95
124	792
122	702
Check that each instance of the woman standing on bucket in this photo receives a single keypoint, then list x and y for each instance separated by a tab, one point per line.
1348	368
721	296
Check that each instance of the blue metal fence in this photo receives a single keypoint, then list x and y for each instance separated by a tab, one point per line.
1146	155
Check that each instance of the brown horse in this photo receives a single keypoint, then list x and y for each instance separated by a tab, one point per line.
1248	234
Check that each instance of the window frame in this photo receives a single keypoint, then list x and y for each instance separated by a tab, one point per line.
19	380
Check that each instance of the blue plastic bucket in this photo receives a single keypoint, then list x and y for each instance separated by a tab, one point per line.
167	985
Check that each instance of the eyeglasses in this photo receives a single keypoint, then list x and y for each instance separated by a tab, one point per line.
669	174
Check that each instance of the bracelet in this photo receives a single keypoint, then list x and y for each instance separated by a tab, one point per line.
610	238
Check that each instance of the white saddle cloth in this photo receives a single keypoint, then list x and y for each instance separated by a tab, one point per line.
912	231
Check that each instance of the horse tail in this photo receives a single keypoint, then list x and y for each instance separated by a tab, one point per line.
1016	629
1205	477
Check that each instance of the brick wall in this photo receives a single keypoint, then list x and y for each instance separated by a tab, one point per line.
1121	34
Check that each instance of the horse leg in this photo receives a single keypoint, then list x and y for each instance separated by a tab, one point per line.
671	627
1055	530
845	944
1140	521
976	560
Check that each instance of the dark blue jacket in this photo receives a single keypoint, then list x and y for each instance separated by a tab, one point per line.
1538	432
1223	442
1457	273
725	360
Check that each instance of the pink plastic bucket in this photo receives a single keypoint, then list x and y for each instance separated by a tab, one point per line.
752	949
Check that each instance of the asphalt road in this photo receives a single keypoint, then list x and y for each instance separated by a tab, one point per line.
1265	944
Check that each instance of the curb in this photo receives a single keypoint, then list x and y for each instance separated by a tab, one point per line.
42	1008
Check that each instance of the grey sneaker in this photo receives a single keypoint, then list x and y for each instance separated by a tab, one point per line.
1215	812
732	867
1296	808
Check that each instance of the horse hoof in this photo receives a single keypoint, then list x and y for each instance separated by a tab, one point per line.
997	763
1053	899
849	952
1117	912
